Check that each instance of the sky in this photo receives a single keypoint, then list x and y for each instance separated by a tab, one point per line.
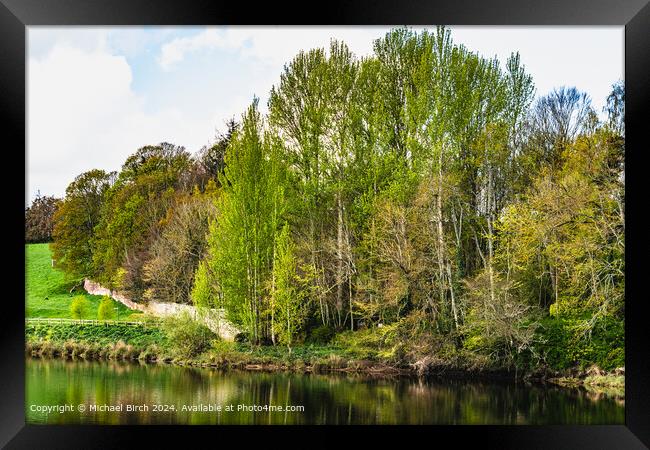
96	94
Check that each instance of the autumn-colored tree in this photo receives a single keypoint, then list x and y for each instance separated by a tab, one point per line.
39	219
180	246
75	221
131	214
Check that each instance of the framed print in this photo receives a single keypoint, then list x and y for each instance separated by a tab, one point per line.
381	216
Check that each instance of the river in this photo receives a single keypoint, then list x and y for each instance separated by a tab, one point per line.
165	394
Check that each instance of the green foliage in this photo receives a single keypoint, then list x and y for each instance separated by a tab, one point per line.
568	342
288	291
106	310
205	292
187	336
97	334
75	221
576	238
320	335
131	214
79	307
371	343
241	240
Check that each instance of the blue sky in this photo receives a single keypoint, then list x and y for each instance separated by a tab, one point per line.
95	95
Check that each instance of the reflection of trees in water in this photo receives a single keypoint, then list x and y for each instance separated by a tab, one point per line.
326	398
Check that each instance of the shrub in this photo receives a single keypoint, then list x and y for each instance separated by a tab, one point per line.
321	335
187	336
565	343
91	351
224	347
119	350
370	343
106	310
151	353
68	348
79	307
48	349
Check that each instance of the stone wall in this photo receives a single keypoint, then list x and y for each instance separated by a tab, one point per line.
212	318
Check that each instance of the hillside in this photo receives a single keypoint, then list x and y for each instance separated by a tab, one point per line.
47	292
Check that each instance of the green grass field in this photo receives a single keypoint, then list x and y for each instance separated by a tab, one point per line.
47	292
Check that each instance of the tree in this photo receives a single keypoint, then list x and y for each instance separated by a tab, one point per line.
175	254
132	213
414	189
397	56
615	108
315	109
206	292
106	309
498	324
75	221
556	120
299	110
288	292
565	239
241	240
79	307
212	158
39	219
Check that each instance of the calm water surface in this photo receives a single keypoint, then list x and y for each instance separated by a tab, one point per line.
324	399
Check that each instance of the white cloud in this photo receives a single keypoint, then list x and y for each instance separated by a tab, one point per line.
257	56
41	39
270	44
83	114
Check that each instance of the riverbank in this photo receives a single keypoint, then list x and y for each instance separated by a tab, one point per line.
151	345
306	359
613	382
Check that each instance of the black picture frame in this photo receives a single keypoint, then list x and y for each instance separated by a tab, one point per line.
15	15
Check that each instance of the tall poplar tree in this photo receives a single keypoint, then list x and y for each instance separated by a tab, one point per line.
241	240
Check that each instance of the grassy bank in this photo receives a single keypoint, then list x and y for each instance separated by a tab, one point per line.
121	342
47	292
608	383
97	342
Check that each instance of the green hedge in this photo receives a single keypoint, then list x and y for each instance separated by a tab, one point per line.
100	334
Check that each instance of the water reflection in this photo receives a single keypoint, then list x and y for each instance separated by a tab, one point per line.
327	399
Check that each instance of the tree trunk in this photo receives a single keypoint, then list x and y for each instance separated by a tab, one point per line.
312	235
350	294
488	213
339	259
441	237
272	298
453	297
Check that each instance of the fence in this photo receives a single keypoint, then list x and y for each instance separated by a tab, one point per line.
54	321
